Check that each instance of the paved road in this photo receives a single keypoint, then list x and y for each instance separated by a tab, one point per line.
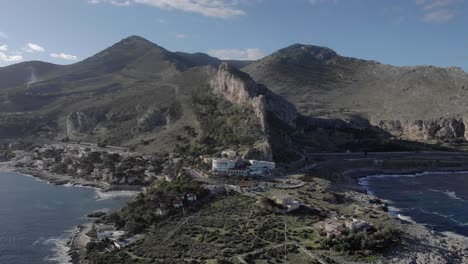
373	155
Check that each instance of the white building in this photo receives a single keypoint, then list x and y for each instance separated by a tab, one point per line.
223	165
260	167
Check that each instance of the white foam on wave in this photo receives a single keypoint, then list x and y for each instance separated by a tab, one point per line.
406	218
453	195
59	249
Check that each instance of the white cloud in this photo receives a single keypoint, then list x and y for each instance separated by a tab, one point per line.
181	36
438	16
237	54
11	58
64	56
3	35
31	48
210	8
437	11
316	2
3	47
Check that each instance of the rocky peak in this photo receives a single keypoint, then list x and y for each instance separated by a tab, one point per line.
300	52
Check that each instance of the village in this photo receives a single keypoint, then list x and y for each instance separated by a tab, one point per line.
168	177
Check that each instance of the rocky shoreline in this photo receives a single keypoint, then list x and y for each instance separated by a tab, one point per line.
420	244
77	242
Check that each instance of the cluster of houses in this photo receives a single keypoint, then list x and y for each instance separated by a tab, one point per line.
112	167
337	227
177	203
232	165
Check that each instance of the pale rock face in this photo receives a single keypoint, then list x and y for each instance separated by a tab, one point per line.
79	123
443	128
238	88
261	151
152	118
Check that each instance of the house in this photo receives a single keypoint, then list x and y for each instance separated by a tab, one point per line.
161	211
356	225
223	165
178	203
107	175
289	203
191	197
97	173
333	228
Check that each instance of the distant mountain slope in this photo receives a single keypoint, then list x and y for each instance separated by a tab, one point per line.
414	102
23	73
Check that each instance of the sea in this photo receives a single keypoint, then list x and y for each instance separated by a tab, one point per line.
37	219
439	200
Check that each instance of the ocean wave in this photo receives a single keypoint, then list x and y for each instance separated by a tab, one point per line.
450	194
406	218
59	248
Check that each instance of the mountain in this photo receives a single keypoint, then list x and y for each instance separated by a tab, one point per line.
138	94
418	103
300	99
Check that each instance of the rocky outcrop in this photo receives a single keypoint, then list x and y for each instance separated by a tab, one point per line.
79	123
261	151
239	88
155	117
441	129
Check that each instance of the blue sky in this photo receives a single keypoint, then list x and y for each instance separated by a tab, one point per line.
398	32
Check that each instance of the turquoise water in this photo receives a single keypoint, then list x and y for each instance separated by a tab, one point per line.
36	218
437	200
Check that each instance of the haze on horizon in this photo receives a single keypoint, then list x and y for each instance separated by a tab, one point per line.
402	32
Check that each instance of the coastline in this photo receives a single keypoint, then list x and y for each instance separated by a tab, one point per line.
421	243
78	239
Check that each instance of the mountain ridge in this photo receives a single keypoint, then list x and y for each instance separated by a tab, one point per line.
139	94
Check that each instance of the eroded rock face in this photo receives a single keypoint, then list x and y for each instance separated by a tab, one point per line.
238	88
261	151
155	117
443	128
79	123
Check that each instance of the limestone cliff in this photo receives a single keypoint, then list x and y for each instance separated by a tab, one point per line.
79	123
274	113
239	88
432	129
